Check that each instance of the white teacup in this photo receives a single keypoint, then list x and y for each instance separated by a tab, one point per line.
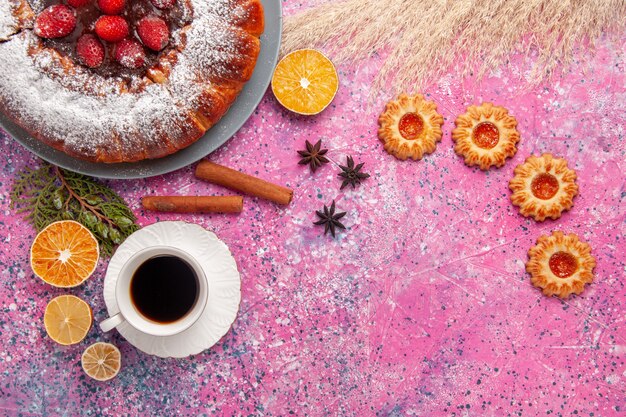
132	315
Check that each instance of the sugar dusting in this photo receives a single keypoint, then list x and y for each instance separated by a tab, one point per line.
89	113
38	5
84	121
8	23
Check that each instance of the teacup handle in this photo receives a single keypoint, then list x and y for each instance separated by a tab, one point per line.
112	322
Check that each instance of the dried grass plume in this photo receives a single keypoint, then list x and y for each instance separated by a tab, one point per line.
425	39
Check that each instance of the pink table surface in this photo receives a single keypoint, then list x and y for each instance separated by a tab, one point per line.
422	307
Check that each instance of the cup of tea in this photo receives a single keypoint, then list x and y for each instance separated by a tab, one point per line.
160	291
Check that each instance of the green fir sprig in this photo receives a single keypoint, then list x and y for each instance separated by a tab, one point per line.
50	193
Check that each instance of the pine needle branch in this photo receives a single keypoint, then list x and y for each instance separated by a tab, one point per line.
49	194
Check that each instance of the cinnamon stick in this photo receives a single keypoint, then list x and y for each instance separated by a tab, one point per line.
192	204
247	184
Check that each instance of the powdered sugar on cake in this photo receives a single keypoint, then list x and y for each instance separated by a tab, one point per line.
89	112
38	5
8	22
84	121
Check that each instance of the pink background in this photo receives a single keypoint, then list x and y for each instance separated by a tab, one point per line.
422	307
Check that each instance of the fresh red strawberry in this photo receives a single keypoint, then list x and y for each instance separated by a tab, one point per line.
162	4
112	6
90	50
77	3
130	54
111	28
55	22
153	32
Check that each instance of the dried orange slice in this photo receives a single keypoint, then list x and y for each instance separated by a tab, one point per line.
305	81
101	361
67	319
64	254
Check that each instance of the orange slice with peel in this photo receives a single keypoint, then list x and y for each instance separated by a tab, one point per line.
67	319
305	81
101	361
64	254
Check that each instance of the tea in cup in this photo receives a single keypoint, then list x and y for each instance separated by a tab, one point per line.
160	291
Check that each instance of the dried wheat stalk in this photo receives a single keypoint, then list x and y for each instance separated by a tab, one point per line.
425	39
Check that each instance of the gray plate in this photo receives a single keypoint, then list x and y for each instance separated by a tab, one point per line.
228	125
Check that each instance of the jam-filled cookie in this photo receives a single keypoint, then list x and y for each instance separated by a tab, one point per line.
543	187
560	264
485	136
410	127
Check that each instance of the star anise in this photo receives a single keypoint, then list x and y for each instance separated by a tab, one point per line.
314	155
330	219
351	174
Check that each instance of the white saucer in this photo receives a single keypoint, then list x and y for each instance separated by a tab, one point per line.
224	287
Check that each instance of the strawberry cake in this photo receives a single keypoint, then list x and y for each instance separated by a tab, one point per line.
124	80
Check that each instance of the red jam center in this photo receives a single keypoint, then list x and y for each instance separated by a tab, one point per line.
411	126
563	264
486	135
544	186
